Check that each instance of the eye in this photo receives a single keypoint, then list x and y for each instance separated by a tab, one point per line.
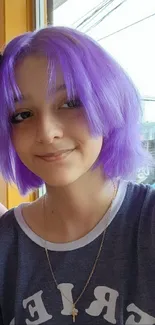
19	117
73	103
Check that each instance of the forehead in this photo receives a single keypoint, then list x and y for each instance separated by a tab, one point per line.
32	74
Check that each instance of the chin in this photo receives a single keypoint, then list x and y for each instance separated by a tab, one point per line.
60	180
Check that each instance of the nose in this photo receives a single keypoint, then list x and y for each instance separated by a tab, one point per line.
48	129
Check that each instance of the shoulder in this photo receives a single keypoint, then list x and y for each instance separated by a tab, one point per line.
8	228
141	198
139	211
6	218
138	200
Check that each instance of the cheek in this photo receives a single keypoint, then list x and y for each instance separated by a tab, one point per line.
90	151
88	145
79	124
79	129
95	147
21	140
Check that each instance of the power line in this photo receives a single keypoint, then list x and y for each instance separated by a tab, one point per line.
85	15
97	12
120	30
94	13
90	17
98	22
148	99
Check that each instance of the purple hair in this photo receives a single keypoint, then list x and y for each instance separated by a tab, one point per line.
110	100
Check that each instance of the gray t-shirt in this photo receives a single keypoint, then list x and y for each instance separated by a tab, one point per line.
122	289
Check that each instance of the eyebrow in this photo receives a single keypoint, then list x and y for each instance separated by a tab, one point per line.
22	98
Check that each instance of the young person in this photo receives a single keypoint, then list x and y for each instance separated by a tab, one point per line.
83	253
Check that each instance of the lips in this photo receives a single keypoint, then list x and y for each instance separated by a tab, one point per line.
58	155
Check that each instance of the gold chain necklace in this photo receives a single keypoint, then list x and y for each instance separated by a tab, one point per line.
74	311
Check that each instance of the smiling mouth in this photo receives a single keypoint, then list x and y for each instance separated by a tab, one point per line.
56	156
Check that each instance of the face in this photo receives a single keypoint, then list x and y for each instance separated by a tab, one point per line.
51	135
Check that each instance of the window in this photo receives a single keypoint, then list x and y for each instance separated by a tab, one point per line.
125	29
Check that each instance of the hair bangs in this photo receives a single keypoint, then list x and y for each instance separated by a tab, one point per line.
109	98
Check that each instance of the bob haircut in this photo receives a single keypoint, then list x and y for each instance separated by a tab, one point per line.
111	102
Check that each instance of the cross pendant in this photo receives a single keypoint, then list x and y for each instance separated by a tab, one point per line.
74	313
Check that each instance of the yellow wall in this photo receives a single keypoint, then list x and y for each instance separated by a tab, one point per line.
14	198
16	17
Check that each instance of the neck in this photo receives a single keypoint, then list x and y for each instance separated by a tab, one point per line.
74	210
